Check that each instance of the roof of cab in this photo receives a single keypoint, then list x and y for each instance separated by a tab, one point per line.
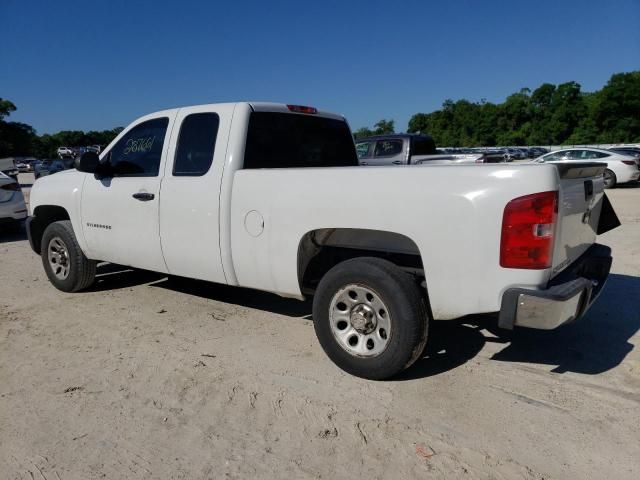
255	106
283	108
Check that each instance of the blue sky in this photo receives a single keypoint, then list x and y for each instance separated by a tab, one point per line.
98	64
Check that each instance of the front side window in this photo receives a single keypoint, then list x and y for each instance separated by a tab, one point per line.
362	148
138	153
387	148
554	156
196	144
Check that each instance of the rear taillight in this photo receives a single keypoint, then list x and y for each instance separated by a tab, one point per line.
528	226
629	162
13	186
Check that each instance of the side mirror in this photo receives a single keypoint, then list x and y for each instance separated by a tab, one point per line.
88	162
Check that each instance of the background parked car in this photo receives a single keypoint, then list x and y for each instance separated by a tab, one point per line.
65	152
633	151
514	154
410	149
12	207
8	167
49	167
535	152
23	167
620	168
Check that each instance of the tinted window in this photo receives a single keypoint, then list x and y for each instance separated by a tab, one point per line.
626	151
554	156
423	146
362	148
386	148
138	152
287	140
196	144
586	154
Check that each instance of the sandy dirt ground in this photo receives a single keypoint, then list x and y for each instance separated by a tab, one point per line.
142	377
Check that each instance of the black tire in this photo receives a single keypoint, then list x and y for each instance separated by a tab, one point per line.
81	270
404	302
610	179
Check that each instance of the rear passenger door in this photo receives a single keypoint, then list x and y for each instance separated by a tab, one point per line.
189	204
389	152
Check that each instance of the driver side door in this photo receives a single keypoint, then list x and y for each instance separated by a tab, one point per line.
120	212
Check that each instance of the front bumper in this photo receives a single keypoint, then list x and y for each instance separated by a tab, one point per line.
567	296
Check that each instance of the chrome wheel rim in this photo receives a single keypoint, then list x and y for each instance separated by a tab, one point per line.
360	321
58	256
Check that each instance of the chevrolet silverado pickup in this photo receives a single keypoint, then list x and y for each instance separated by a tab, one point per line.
271	197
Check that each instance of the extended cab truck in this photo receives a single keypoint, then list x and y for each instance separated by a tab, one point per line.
271	197
412	149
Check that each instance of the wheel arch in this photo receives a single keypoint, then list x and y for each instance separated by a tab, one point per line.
43	216
321	249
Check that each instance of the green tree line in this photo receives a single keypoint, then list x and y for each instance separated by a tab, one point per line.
549	115
21	140
383	127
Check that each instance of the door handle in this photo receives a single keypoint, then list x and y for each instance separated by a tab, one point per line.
397	162
364	163
143	196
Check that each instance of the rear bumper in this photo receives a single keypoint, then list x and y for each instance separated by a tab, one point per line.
567	297
14	209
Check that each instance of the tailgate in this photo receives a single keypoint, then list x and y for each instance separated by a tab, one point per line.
580	204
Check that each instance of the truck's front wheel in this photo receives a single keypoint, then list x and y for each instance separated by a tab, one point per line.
64	263
370	318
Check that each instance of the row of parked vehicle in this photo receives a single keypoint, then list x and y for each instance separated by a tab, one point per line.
623	163
508	153
72	152
43	167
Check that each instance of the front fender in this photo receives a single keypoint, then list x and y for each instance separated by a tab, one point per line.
63	190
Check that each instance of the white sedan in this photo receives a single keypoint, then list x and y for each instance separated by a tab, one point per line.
12	207
620	168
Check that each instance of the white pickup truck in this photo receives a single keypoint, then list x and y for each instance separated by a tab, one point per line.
271	197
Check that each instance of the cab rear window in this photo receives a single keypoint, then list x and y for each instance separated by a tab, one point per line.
288	140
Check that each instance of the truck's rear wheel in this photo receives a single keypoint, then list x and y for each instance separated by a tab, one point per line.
370	318
609	179
64	263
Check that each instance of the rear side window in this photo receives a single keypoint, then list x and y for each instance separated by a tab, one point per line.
586	154
138	153
289	140
423	146
196	144
387	148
